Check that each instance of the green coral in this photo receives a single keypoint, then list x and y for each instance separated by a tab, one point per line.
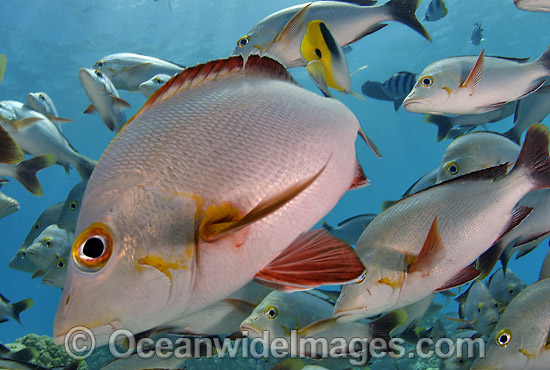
49	354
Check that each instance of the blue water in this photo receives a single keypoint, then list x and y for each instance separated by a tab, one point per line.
47	42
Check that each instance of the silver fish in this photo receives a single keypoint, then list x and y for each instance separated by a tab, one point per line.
436	10
477	34
48	217
150	86
13	310
407	265
55	275
519	341
445	124
350	229
128	70
470	84
42	103
533	5
347	22
479	307
49	246
137	220
69	214
8	205
505	286
25	172
104	98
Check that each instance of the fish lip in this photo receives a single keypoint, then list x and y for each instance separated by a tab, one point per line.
101	333
350	315
250	329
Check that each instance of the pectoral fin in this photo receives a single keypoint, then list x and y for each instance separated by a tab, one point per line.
138	68
476	74
315	258
118	102
465	275
224	219
318	73
369	143
24	123
91	109
431	253
59	119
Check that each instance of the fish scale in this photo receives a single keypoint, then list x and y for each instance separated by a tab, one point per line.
232	140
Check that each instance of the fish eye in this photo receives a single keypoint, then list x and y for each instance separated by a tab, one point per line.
243	41
100	63
511	291
362	277
158	80
427	81
99	74
460	360
479	309
42	97
48	243
271	312
73	205
496	305
503	337
452	168
60	263
36	226
93	248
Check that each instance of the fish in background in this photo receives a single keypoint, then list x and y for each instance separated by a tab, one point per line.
475	151
465	361
127	71
69	213
347	22
42	103
8	205
37	135
48	217
55	275
520	338
350	229
533	5
504	287
545	268
25	172
477	34
395	88
123	237
3	62
104	97
150	86
421	258
52	244
532	109
470	84
469	122
436	10
13	310
478	308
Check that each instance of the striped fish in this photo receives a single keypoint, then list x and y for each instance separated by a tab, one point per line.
436	10
398	86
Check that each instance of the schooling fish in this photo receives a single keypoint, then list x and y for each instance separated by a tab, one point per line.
445	124
532	109
13	310
48	217
347	22
3	62
69	214
49	246
162	221
55	275
8	205
128	70
41	102
398	86
476	151
150	86
418	245
504	287
37	135
520	339
477	34
25	172
479	307
533	5
469	84
104	98
350	229
436	10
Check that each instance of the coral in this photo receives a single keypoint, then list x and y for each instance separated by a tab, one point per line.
49	354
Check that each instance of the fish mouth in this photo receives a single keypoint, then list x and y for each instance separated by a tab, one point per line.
492	322
100	334
251	329
350	315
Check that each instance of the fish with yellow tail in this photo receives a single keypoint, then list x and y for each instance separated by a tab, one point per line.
214	182
428	242
521	337
472	85
347	21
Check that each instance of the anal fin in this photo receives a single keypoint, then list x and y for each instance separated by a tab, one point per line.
315	258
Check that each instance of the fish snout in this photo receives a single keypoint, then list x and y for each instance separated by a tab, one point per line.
250	330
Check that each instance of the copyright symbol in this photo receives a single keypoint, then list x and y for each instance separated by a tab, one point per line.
79	343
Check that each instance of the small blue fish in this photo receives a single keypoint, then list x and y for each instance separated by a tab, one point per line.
477	34
436	10
398	86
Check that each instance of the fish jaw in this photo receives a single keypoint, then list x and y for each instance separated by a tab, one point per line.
9	208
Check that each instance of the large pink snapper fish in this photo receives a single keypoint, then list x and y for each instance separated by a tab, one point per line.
216	181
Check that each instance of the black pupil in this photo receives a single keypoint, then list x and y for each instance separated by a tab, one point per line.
73	205
427	81
37	226
93	248
43	98
244	41
60	265
503	339
98	74
271	313
318	52
512	291
452	169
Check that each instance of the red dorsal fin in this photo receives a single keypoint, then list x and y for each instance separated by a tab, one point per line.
315	258
465	275
431	251
213	71
476	73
